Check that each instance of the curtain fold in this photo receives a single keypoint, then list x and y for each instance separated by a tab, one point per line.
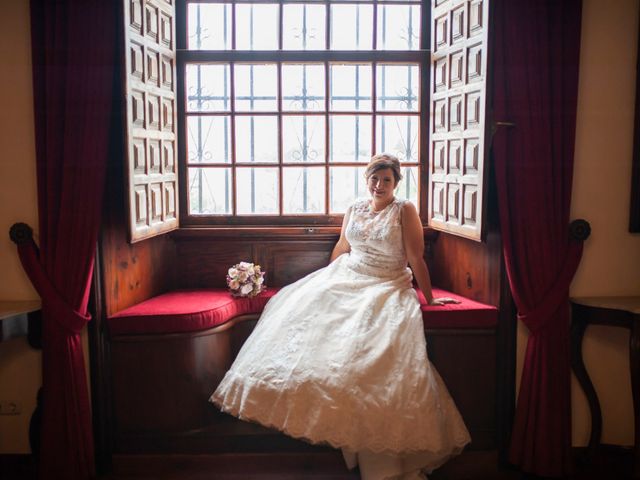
536	56
73	55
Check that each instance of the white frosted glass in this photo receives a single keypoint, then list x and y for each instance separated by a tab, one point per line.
256	139
209	139
398	87
303	190
209	26
257	191
350	138
208	88
210	191
257	26
303	138
398	135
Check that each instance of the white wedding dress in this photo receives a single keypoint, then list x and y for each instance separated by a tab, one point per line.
339	357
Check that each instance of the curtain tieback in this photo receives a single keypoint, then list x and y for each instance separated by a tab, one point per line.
538	317
68	318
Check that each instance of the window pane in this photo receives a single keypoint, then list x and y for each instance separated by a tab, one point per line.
303	190
345	185
303	138
257	191
408	186
256	87
350	87
397	87
304	27
349	138
209	26
209	139
209	191
257	139
351	27
257	26
208	88
398	27
398	135
302	87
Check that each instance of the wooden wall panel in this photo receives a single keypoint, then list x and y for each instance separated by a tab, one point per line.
467	267
130	273
203	261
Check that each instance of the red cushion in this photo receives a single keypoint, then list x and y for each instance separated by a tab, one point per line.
185	311
466	314
193	310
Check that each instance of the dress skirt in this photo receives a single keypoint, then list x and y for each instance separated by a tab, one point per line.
339	357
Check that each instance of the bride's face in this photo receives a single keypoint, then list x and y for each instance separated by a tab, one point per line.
381	184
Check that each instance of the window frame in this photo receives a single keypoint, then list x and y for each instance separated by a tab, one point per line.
184	57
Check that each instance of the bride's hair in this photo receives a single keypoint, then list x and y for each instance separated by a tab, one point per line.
382	161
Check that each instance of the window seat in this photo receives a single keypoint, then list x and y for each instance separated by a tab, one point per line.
184	311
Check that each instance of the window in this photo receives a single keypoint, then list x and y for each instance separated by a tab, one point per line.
284	103
272	109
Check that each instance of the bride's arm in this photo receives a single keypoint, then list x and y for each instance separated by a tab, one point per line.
343	245
414	247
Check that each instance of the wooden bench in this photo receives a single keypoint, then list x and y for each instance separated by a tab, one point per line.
168	354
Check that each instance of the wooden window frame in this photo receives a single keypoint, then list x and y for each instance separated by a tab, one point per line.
325	57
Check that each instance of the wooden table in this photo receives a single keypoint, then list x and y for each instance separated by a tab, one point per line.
14	317
618	312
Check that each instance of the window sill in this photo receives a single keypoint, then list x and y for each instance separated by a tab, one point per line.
272	233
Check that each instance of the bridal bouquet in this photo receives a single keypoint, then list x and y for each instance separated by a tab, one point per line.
245	280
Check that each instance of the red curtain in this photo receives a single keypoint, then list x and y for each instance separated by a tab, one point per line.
73	54
536	48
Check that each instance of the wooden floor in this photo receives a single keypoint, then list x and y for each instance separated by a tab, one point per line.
613	463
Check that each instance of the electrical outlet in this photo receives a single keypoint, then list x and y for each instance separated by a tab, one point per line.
9	407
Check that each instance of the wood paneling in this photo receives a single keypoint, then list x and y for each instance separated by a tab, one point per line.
204	260
150	112
162	405
458	94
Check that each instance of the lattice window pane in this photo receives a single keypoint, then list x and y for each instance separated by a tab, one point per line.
257	26
398	87
257	191
256	87
303	138
303	87
209	26
350	138
208	88
398	27
209	191
350	87
304	27
398	135
209	139
256	139
351	27
303	190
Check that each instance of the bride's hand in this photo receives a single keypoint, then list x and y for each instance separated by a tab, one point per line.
442	301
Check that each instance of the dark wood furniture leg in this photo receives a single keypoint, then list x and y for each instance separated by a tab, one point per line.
634	363
578	326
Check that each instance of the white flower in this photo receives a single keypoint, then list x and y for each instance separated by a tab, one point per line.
232	272
242	276
245	265
246	289
234	284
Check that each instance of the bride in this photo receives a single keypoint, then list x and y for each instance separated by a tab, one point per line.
339	357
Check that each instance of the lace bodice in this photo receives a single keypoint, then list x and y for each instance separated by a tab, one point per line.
376	238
